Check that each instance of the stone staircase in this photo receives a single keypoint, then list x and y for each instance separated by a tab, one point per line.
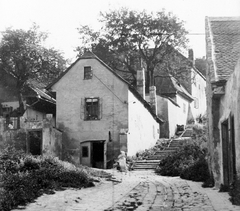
152	161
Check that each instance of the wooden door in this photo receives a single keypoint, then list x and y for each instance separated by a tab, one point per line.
85	154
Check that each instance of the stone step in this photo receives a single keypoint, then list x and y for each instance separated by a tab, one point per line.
156	157
147	161
164	152
144	167
171	148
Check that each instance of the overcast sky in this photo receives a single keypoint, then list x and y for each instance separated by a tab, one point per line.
60	18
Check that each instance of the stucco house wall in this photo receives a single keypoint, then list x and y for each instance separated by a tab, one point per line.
199	105
229	106
71	91
143	130
177	115
126	122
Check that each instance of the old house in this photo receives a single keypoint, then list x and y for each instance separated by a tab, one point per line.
173	104
32	129
101	114
181	101
223	97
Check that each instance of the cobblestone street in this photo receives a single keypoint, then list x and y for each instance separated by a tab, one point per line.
140	191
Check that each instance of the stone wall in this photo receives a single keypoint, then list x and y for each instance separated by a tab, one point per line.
18	138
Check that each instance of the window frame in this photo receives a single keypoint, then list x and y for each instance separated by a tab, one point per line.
94	112
87	73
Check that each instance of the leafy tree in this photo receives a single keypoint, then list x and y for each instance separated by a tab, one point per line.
201	65
23	55
129	35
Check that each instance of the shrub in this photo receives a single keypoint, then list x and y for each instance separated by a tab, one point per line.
25	177
234	192
188	162
196	172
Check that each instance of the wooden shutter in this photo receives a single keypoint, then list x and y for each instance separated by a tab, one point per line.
82	109
100	108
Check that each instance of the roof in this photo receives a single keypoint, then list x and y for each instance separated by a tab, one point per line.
224	36
169	86
90	55
40	91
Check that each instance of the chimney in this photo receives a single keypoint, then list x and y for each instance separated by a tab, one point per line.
191	56
153	98
141	82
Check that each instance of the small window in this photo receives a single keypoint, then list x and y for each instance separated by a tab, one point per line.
87	73
184	108
92	108
84	151
196	103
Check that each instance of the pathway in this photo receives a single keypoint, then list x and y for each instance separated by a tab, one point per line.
140	191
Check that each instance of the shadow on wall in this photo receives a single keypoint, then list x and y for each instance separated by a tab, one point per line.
70	146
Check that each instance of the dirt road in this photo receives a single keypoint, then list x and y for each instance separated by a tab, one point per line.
140	191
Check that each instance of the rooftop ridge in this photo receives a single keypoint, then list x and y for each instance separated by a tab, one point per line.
222	18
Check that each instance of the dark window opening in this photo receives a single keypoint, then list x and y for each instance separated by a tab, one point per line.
92	108
87	72
84	151
35	142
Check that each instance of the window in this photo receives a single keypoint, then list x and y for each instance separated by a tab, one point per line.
84	151
92	108
184	108
87	72
196	103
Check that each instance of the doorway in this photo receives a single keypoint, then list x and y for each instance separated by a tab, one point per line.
228	150
35	142
225	152
98	154
92	154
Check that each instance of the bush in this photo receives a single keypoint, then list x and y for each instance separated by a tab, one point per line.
234	192
24	177
196	172
188	162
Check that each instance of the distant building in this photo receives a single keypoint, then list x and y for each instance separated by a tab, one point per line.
32	128
181	101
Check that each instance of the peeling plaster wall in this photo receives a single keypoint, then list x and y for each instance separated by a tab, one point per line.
230	105
52	140
51	137
143	128
212	112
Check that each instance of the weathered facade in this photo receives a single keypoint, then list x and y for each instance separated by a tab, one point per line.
223	97
101	114
32	129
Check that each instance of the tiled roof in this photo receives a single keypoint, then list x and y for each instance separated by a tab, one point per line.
225	34
169	86
39	89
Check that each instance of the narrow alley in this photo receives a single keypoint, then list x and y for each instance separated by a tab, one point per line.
137	190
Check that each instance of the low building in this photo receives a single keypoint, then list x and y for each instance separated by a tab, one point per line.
173	104
32	127
101	114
